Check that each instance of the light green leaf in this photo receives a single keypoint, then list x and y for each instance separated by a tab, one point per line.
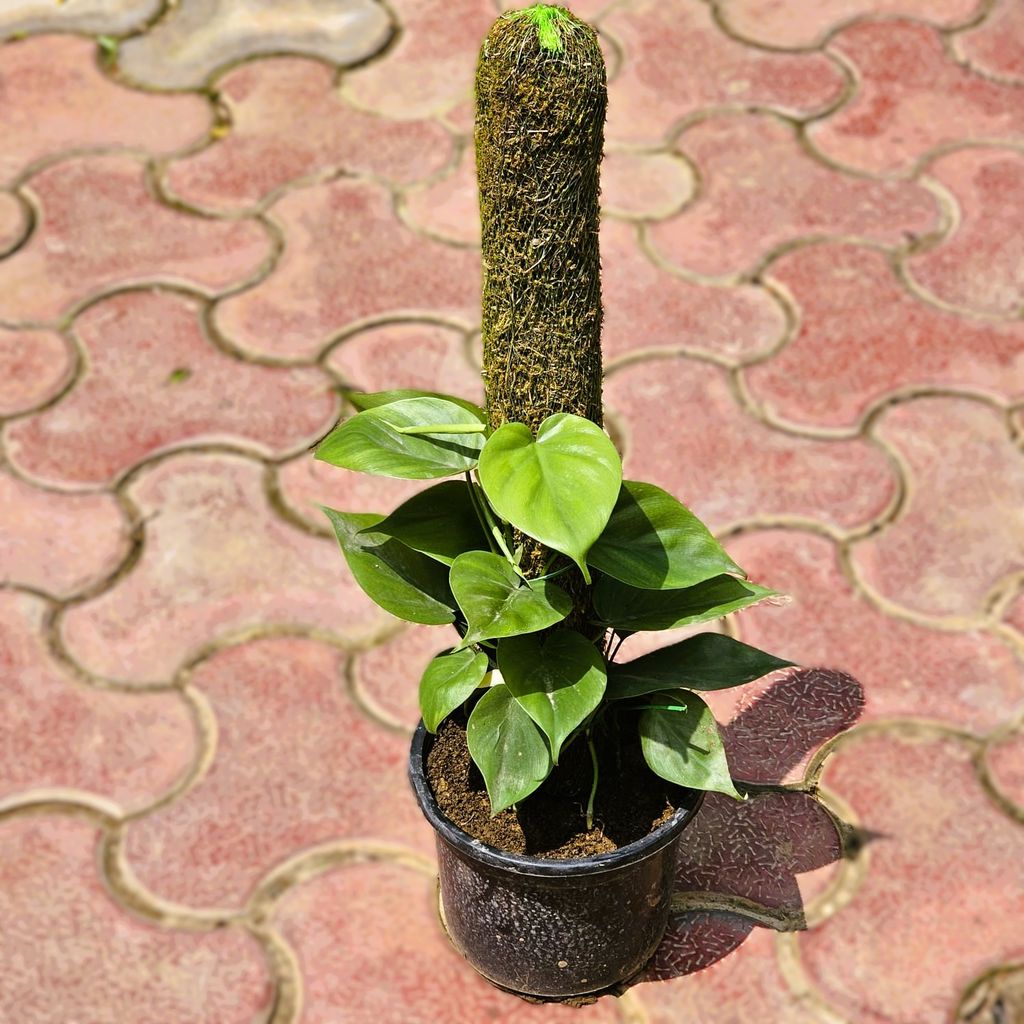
507	748
497	602
558	681
440	522
560	488
373	399
654	542
400	580
370	441
630	609
684	746
449	680
705	662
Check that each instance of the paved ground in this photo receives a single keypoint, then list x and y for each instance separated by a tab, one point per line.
212	214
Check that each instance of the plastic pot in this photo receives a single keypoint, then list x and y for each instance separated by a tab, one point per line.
552	928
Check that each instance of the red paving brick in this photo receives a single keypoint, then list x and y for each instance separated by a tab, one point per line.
13	223
1006	768
996	46
34	365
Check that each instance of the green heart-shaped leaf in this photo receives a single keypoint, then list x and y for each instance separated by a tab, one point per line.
630	609
654	542
441	522
373	399
497	602
400	580
450	679
507	748
705	662
372	441
559	488
684	746
558	681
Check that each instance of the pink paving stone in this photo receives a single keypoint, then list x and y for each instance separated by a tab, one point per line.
678	61
1006	766
71	954
911	98
862	336
371	948
645	185
449	207
996	46
217	561
790	23
431	66
100	228
981	266
152	382
297	765
288	121
725	465
56	99
646	307
942	899
129	748
348	260
58	543
12	222
960	532
967	678
34	366
761	190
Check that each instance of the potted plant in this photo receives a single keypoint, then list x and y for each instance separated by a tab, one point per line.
557	778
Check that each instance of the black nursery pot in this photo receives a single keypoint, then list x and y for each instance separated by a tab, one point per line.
552	928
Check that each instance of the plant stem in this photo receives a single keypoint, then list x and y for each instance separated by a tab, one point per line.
474	498
495	530
593	787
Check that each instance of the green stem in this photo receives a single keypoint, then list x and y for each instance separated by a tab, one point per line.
593	787
496	532
475	500
443	428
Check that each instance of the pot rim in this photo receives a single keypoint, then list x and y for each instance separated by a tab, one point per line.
598	863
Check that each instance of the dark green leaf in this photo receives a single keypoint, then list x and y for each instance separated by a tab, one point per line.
507	748
400	580
630	609
449	680
557	682
654	542
705	662
373	399
684	746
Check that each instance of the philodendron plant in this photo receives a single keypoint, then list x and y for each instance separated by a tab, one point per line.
453	555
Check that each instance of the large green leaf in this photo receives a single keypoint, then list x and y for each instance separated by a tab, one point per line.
507	748
400	580
654	542
705	662
558	681
450	679
440	522
497	602
630	609
372	441
684	746
373	399
559	488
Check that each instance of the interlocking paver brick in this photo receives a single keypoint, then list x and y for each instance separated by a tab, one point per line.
12	222
791	23
960	532
100	228
430	68
727	466
863	336
371	948
1006	766
110	16
760	190
56	99
71	954
911	97
55	732
449	207
678	61
196	37
58	543
645	185
980	267
297	765
967	678
153	382
996	46
941	899
289	122
217	561
34	366
348	259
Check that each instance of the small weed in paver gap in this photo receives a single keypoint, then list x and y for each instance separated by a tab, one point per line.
179	375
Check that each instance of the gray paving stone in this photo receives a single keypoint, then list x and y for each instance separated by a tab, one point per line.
110	17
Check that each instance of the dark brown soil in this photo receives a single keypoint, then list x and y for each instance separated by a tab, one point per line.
631	800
